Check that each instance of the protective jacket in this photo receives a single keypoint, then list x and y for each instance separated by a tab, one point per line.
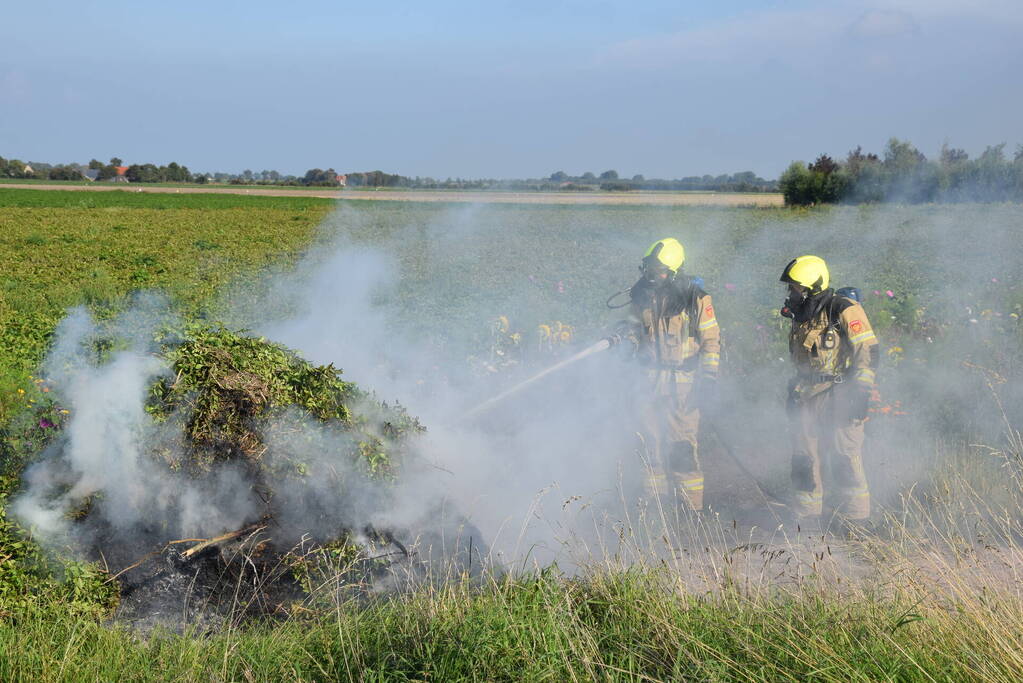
677	339
676	328
832	343
836	355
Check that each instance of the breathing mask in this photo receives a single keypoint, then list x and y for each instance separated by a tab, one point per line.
654	272
796	303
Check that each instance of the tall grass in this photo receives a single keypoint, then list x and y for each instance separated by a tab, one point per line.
923	596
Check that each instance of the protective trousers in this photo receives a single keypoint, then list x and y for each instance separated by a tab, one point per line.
822	428
669	423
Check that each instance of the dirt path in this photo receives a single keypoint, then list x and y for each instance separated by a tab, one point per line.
496	197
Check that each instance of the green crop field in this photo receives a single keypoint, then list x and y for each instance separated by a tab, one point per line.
930	592
66	248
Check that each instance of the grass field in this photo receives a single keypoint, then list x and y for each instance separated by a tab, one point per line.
932	592
65	249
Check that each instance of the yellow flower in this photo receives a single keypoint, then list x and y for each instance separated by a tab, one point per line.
21	391
65	412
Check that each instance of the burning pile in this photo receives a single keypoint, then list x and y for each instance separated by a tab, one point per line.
231	396
239	477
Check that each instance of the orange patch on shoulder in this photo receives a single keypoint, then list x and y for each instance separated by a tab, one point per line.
709	311
855	326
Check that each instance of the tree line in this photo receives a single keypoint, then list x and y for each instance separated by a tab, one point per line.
116	170
904	174
900	173
745	181
97	170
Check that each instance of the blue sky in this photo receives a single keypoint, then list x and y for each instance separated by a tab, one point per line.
505	89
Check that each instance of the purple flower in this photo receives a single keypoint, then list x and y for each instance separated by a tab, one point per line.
45	424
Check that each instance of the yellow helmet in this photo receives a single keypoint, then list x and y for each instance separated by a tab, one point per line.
669	252
809	271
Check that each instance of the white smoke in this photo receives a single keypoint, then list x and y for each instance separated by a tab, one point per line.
104	459
399	302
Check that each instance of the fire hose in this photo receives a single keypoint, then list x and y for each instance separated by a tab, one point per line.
604	344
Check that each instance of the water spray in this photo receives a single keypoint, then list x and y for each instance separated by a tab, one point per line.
602	345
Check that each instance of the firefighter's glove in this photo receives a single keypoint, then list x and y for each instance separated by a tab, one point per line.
792	398
859	403
624	334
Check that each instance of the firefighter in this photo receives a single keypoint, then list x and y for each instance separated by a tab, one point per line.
836	355
678	343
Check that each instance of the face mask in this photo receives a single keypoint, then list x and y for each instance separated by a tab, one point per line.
795	304
654	272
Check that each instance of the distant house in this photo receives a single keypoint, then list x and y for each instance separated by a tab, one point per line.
90	173
342	179
120	177
28	170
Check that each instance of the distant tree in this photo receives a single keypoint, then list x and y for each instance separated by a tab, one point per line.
587	177
816	183
902	157
638	178
143	173
107	172
174	173
559	177
609	175
114	161
16	169
994	177
317	176
64	173
866	177
795	185
907	174
616	186
824	164
951	155
95	164
857	158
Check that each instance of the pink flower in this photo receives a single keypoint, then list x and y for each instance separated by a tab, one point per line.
729	286
561	287
877	292
890	293
994	279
